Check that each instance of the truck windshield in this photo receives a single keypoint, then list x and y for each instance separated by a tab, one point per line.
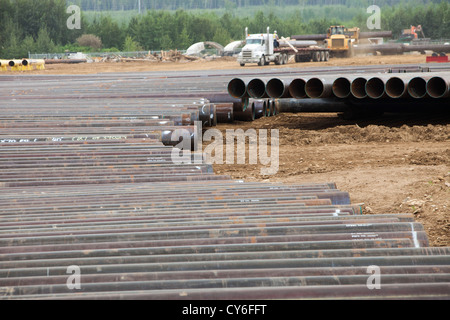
337	30
253	41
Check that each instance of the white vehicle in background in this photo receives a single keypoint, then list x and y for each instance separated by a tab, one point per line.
263	49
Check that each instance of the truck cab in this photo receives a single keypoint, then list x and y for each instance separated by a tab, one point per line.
258	49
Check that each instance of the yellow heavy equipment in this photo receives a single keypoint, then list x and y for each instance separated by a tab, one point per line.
340	40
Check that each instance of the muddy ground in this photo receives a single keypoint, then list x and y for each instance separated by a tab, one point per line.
390	164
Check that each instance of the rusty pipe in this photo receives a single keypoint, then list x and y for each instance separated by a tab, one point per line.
225	112
358	88
260	108
297	88
248	114
412	291
342	87
278	88
317	88
237	88
310	105
256	88
438	87
376	88
417	88
397	87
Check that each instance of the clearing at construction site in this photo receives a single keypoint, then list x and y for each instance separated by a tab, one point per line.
89	180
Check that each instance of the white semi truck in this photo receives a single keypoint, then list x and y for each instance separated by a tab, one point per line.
260	48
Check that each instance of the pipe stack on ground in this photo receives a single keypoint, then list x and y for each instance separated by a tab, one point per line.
87	182
430	89
22	65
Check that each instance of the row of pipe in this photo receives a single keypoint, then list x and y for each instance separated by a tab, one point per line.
22	64
375	86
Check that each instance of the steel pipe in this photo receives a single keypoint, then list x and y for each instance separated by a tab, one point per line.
256	88
15	63
298	43
375	34
260	108
311	105
297	88
342	87
249	114
360	292
317	88
397	87
310	37
65	61
237	88
40	62
225	113
358	88
438	87
278	88
376	88
417	88
362	35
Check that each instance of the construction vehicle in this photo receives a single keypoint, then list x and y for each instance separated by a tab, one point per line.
412	35
266	48
340	40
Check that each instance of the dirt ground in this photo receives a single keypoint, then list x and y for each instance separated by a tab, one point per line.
391	164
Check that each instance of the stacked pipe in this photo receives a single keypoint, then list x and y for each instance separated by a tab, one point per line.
22	65
402	92
87	182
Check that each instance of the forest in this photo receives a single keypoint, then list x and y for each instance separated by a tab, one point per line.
110	5
40	26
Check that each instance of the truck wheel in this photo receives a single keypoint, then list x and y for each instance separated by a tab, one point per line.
322	56
327	56
242	64
285	58
262	61
277	60
316	56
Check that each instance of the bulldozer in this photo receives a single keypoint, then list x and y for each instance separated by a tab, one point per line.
340	40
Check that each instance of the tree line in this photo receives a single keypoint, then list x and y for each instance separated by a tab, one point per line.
26	27
110	5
